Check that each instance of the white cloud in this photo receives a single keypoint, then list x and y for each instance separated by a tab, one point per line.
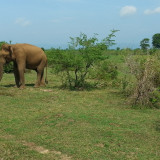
128	10
22	22
154	11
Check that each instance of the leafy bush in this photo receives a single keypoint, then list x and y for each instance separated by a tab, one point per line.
105	72
74	64
8	68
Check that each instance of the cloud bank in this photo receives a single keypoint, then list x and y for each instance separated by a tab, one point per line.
128	10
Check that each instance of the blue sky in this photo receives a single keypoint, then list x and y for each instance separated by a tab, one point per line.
50	23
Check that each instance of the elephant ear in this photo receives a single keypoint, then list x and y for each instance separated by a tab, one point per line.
8	51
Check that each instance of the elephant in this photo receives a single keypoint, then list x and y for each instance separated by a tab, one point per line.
24	56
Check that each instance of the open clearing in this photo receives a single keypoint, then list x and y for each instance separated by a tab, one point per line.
52	123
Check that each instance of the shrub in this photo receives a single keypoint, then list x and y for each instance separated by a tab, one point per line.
74	64
8	68
105	72
146	73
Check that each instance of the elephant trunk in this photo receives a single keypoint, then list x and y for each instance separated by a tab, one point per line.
1	71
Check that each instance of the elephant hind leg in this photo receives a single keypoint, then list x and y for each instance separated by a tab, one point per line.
40	78
42	81
40	74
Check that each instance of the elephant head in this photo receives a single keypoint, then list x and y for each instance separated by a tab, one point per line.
5	56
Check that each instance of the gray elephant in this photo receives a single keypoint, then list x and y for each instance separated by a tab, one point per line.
24	56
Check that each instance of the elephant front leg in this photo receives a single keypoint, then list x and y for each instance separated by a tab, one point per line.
22	81
21	77
16	75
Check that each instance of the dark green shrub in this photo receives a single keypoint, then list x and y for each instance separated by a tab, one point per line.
8	68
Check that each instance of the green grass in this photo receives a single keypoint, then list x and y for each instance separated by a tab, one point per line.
52	123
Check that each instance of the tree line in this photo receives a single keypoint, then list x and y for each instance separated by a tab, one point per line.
145	43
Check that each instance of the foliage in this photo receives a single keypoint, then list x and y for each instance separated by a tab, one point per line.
118	48
145	44
8	68
74	64
126	51
152	51
105	72
43	48
146	73
156	40
138	51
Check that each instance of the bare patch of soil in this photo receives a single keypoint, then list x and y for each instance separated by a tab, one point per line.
43	150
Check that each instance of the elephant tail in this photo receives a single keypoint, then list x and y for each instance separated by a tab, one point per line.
46	81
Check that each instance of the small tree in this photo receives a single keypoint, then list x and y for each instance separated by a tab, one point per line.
156	40
145	44
75	63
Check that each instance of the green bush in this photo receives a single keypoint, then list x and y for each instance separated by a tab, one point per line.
74	64
8	68
51	55
155	98
105	72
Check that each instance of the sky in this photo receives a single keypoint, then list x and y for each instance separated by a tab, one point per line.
51	23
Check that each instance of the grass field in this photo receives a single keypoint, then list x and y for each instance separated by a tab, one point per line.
51	123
